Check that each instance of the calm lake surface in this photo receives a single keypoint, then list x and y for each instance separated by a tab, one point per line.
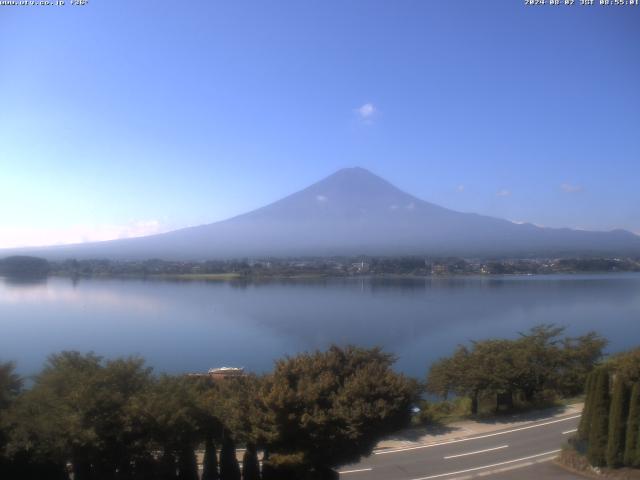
191	326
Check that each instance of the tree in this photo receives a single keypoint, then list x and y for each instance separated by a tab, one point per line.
250	465
627	365
187	464
617	423
229	468
585	418
580	355
167	469
210	462
171	411
329	408
79	410
10	388
458	374
632	441
268	472
448	375
10	384
598	430
22	266
539	361
59	411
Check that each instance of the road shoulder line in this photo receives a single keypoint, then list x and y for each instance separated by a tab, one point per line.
479	437
551	455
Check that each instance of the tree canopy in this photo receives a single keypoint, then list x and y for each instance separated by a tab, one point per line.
609	431
330	408
537	361
114	419
24	266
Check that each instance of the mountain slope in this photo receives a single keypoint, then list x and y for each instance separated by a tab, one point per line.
355	212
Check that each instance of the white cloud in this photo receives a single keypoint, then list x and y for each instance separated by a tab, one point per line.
11	237
460	188
570	188
321	198
366	112
504	193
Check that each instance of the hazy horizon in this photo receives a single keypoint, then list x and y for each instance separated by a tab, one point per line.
352	212
152	120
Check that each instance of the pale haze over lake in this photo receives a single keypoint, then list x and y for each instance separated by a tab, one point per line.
192	326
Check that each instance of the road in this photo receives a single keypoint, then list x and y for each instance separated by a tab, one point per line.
480	455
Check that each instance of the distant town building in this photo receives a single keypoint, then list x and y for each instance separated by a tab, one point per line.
359	267
439	269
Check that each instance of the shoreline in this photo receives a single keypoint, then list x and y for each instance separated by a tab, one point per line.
233	276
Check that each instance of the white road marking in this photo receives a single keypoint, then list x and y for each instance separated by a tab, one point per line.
478	451
488	466
570	431
395	450
355	471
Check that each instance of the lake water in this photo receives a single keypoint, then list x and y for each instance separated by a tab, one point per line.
191	326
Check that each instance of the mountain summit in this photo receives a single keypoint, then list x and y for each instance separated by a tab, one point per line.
354	212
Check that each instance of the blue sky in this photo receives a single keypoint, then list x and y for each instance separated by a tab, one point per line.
122	118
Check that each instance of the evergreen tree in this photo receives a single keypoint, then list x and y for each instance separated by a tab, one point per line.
210	463
187	464
632	441
229	468
268	472
585	419
146	468
599	425
617	424
167	467
250	465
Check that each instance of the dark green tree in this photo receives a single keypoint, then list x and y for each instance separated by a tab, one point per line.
599	428
250	465
171	412
539	359
459	375
10	385
632	441
268	471
168	469
59	414
210	462
22	266
325	409
229	468
187	464
538	362
627	365
10	388
79	410
585	418
617	423
580	355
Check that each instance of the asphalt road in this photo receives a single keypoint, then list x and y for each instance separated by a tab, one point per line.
537	471
480	455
